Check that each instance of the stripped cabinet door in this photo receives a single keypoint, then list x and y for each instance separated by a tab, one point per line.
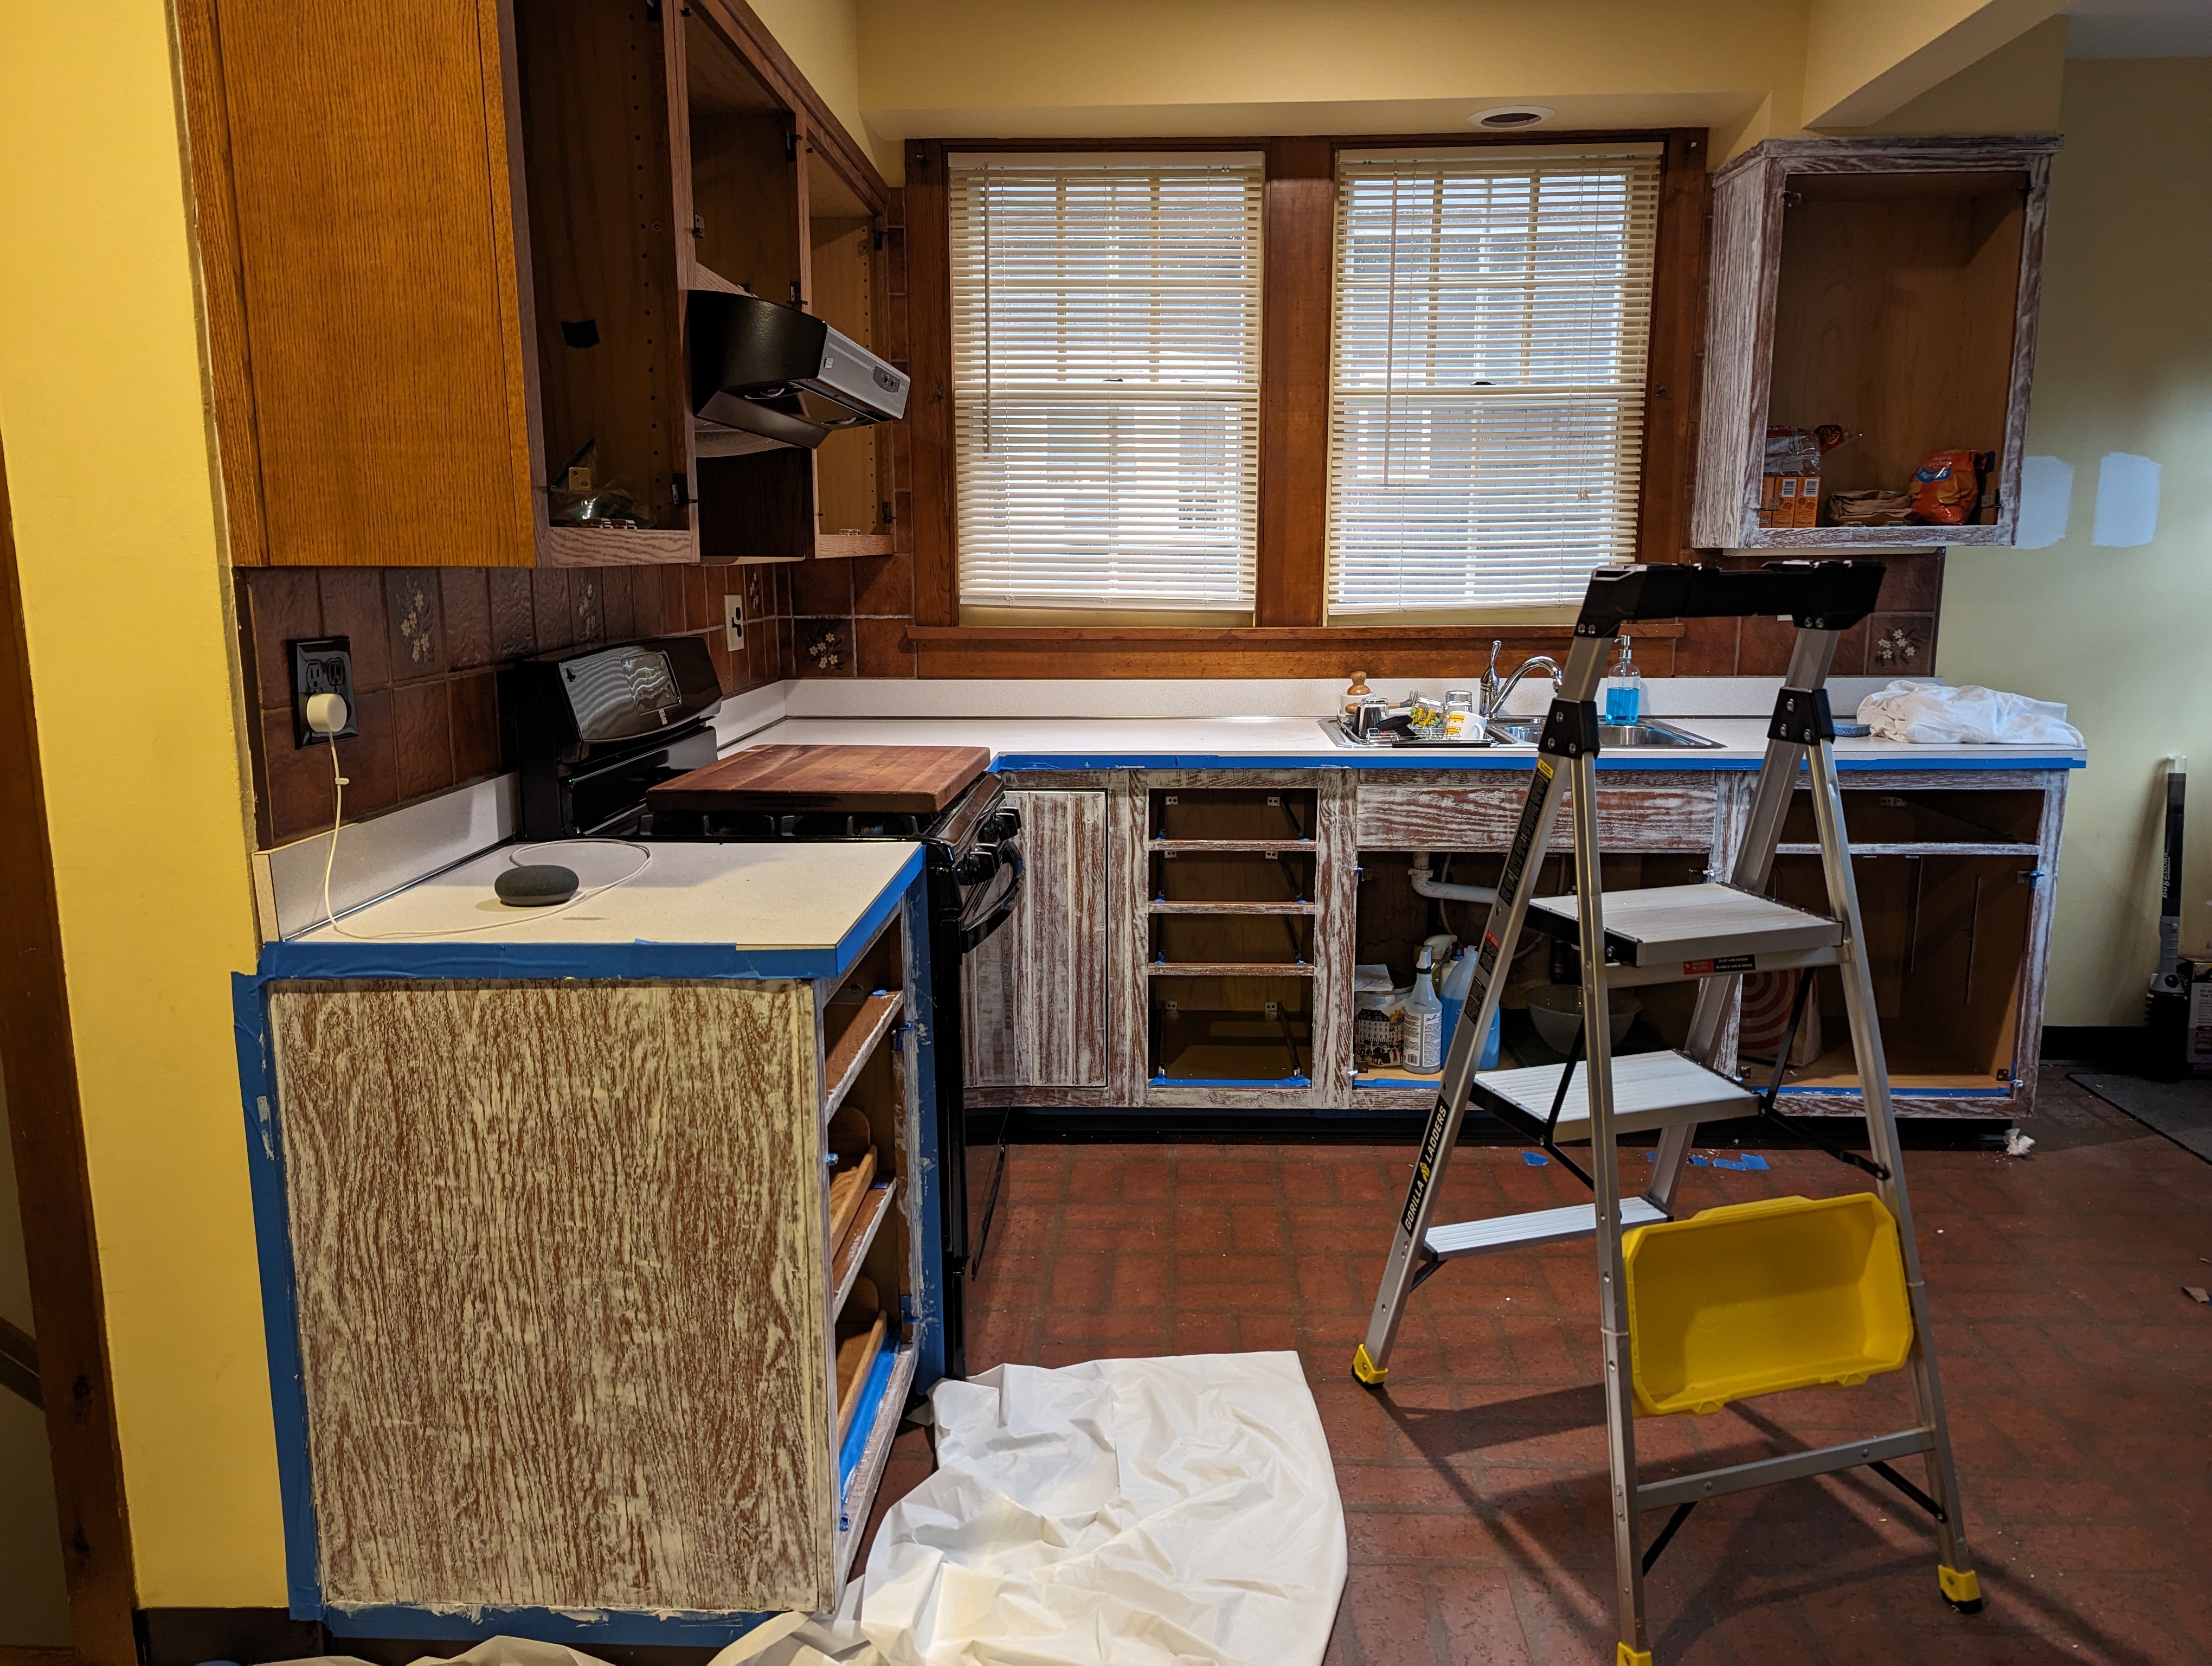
1036	1007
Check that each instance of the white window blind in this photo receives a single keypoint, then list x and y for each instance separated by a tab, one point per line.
1486	386
1106	379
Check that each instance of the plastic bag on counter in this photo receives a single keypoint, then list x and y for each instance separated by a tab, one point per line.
1936	714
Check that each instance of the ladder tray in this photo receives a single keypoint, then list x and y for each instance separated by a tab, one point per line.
1751	1298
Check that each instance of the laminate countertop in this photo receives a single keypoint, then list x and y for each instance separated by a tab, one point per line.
685	909
1276	742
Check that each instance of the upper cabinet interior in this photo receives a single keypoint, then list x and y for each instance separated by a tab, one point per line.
773	216
1874	303
606	277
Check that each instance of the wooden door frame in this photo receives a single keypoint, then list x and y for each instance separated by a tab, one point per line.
45	1129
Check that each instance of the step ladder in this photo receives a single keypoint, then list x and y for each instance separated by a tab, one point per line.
1713	934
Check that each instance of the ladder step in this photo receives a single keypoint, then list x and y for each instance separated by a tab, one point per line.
1577	1220
1790	1466
1650	1091
1703	929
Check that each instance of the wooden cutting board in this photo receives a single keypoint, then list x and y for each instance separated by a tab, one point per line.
917	780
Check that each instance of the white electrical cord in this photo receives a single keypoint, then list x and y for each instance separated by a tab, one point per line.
514	858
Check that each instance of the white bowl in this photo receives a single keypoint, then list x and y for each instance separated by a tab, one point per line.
1557	1009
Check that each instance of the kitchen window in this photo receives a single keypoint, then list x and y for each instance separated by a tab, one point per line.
1493	315
1105	380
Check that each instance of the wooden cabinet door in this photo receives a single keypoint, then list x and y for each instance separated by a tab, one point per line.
375	251
1035	1011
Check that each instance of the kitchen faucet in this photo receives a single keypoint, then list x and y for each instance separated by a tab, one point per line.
1495	694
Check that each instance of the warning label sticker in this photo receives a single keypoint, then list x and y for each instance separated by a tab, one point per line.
1727	962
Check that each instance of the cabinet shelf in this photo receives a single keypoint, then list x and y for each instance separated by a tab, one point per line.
845	1268
1164	905
1227	969
1202	845
850	1052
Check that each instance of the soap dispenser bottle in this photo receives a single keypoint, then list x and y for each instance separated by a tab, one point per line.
1623	691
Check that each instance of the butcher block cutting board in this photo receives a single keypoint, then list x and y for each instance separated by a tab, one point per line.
917	780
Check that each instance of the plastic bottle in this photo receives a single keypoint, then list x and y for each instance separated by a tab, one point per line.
1623	691
1424	1022
1459	978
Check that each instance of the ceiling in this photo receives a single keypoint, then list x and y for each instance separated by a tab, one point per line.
2139	28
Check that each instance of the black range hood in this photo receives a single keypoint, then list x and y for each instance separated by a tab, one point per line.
764	376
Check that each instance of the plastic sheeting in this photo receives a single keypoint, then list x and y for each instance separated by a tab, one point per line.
1125	1512
1935	714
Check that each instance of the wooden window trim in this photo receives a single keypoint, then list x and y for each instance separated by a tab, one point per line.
1287	636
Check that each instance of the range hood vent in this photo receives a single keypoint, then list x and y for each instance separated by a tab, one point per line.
764	376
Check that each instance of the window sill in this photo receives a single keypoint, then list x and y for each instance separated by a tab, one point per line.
1085	651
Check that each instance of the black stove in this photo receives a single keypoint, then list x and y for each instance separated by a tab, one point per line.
598	728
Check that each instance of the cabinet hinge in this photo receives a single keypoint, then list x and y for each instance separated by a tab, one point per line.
885	506
879	240
679	490
652	11
698	225
795	300
790	146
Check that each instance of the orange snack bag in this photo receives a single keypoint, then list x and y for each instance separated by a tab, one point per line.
1947	487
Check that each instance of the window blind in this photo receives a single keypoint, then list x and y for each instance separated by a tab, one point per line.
1106	379
1486	383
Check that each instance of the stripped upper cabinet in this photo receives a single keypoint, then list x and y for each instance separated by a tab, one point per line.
1889	286
1036	990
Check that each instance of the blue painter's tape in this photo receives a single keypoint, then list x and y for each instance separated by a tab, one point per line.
581	1627
1232	1081
929	1302
1535	1159
1516	762
866	1413
272	1237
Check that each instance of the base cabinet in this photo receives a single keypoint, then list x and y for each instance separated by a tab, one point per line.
1035	991
1188	939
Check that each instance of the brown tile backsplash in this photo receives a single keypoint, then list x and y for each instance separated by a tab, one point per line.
429	645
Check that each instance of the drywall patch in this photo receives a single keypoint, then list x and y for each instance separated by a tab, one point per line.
2046	502
2127	501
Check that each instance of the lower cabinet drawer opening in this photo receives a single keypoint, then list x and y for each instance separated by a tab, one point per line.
1246	1030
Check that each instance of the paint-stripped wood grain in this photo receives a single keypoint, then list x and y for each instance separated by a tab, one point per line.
559	1252
1035	992
1673	817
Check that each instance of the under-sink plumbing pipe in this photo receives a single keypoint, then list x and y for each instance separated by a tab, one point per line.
1443	889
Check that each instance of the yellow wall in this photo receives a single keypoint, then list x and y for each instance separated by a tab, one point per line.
2123	636
125	598
1135	68
824	39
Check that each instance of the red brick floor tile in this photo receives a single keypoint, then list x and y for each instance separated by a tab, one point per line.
1477	1503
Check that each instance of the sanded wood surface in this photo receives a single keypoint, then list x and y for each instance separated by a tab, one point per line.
854	1355
852	1248
559	1254
375	259
847	1189
859	1039
1036	990
887	779
1439	817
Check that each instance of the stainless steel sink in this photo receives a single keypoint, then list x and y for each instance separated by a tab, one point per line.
1611	737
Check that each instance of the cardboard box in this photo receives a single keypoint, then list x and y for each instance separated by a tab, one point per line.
1808	500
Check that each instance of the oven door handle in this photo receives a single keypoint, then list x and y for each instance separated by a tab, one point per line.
1002	903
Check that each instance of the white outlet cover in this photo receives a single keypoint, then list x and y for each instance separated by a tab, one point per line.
734	622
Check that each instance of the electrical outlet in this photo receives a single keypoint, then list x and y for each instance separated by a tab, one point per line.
322	664
734	622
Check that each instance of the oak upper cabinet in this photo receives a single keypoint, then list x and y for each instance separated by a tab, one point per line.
446	246
1888	286
1036	990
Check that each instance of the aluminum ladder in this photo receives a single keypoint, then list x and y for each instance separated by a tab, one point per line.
1712	933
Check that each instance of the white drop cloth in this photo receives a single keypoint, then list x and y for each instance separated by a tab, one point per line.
1936	714
1125	1512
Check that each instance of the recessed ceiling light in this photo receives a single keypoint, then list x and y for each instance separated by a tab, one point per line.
1513	115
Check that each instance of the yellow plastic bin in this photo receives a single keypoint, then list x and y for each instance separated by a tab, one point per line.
1751	1299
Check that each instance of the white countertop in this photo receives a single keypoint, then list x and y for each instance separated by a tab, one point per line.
766	910
1075	743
